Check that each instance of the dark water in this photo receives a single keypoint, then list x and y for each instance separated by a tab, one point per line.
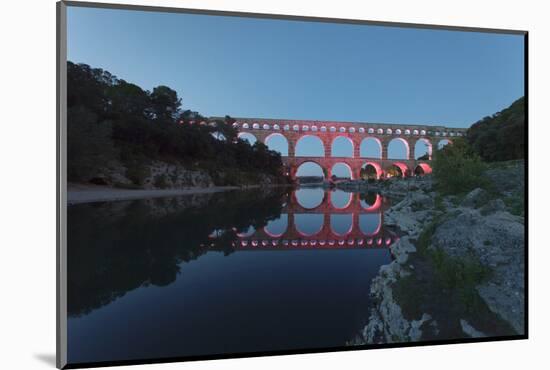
232	272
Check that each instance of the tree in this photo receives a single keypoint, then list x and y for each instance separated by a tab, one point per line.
457	168
165	103
424	157
500	137
90	146
110	119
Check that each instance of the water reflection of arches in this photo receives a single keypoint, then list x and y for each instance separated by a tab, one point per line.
360	225
309	198
278	143
247	232
324	231
278	227
308	224
341	224
371	202
370	223
309	146
340	199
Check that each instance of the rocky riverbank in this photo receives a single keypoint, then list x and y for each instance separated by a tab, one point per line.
78	193
174	176
458	271
394	187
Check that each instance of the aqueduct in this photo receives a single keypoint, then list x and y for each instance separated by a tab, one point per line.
357	133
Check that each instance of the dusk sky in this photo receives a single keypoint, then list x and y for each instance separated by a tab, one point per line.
264	68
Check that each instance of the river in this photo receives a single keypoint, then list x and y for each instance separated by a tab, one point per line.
234	272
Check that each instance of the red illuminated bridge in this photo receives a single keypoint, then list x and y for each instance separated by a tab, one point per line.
357	134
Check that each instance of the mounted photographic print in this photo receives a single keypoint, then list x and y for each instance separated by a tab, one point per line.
235	185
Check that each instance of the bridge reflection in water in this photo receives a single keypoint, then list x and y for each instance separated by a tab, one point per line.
315	218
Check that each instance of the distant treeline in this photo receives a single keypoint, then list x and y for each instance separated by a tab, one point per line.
111	119
500	137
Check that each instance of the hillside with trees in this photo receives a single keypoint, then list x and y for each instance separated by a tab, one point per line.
500	137
492	143
112	122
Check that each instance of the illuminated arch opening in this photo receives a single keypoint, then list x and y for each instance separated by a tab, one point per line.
310	172
308	224
398	170
278	143
341	171
422	169
276	228
370	223
341	224
309	146
248	137
370	147
371	170
342	147
423	149
310	198
340	199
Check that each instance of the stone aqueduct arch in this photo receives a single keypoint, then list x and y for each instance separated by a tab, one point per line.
328	131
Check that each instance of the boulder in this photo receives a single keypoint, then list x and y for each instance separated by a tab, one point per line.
475	198
401	250
509	179
494	205
497	241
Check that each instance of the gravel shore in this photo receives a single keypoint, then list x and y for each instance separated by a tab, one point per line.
77	193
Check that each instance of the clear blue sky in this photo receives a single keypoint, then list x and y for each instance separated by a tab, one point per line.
304	70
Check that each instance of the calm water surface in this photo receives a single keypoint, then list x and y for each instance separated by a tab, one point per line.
233	272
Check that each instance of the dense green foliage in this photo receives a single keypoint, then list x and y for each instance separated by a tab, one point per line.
500	137
111	119
457	168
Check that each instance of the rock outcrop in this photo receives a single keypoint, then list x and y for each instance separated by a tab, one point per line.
480	228
496	239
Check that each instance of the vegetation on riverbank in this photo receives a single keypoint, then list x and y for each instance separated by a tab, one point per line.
114	124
